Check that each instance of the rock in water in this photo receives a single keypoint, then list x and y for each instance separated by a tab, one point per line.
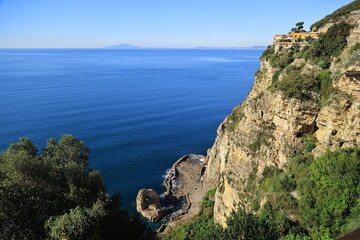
184	190
148	205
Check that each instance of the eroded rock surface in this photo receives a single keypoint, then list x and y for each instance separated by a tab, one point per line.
268	128
148	205
184	182
185	176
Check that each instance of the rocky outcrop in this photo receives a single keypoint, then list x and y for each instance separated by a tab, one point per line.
267	129
185	181
338	124
148	205
185	177
183	196
268	134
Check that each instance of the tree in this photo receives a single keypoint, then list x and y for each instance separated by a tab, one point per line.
299	27
54	194
79	223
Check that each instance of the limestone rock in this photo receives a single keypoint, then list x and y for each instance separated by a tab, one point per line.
267	129
148	205
185	176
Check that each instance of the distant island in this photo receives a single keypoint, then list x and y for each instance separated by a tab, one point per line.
123	46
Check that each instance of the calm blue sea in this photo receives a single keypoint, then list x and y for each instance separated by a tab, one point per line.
138	110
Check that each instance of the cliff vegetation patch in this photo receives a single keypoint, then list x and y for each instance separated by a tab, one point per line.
310	199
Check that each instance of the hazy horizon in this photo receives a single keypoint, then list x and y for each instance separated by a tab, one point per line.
141	47
155	24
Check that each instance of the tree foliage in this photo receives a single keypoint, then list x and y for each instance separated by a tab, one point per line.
299	27
54	194
332	42
291	79
330	190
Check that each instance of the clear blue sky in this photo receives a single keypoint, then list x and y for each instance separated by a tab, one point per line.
153	23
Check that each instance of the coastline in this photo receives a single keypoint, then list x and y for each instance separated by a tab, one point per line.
184	187
185	180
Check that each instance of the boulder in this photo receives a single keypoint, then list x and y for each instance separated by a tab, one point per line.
148	205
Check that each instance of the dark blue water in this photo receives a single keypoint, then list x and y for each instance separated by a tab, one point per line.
138	110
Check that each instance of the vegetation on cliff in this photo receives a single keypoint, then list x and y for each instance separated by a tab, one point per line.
55	195
287	160
295	83
311	199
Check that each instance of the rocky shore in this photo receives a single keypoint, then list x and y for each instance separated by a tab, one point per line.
184	192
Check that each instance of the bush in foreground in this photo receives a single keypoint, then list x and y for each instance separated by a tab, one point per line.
55	195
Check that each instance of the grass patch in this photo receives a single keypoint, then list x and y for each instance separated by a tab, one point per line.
234	118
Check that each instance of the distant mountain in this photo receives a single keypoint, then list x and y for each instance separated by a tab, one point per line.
123	46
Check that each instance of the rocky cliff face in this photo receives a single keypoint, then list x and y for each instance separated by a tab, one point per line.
269	127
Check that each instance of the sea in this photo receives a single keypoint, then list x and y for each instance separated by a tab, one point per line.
138	110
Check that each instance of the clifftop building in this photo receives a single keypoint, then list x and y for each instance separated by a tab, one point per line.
286	40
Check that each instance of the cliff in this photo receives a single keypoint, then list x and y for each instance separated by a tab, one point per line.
309	91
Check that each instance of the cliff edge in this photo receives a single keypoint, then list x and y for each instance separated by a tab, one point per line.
306	92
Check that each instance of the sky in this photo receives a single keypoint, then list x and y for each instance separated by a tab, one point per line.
153	23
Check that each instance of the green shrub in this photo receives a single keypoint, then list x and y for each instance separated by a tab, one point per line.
269	225
355	47
331	43
208	199
275	77
284	58
270	51
296	85
330	190
323	64
261	139
296	237
257	97
326	86
300	86
310	142
285	183
202	228
227	156
255	205
235	117
255	146
352	59
329	203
